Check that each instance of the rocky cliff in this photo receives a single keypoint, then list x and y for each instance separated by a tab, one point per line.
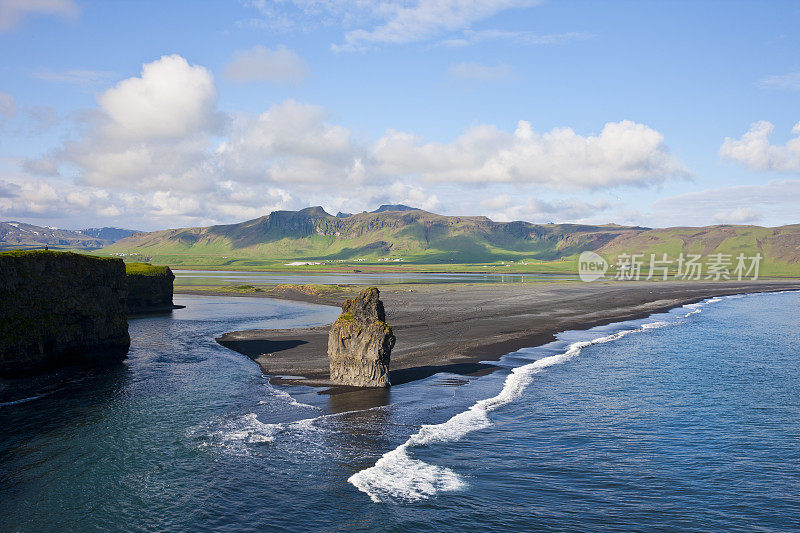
59	308
149	288
360	343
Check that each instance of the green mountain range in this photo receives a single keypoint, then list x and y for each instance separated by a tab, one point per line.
415	237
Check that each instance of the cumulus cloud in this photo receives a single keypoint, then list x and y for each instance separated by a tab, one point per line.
472	71
291	142
624	153
157	146
754	149
12	11
262	64
414	196
170	99
48	200
151	130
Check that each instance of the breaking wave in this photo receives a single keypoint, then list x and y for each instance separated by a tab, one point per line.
398	476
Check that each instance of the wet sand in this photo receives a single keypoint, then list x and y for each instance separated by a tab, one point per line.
462	328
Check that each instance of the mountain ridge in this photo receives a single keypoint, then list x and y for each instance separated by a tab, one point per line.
418	236
15	234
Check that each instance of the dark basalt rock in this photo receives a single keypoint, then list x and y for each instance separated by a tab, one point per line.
360	343
60	308
151	292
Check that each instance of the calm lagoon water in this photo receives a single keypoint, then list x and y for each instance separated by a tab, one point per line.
688	420
230	277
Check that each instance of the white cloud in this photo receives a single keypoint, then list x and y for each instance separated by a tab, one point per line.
741	215
152	131
414	196
291	143
86	78
781	81
12	11
498	202
754	150
427	19
170	99
367	23
157	148
773	201
31	197
8	106
523	38
624	153
47	200
262	64
478	72
543	211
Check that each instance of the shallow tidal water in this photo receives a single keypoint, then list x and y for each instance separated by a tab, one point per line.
189	278
687	420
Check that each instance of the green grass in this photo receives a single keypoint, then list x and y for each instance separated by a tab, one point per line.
145	269
34	253
447	244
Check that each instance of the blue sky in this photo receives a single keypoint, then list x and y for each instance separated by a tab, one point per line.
154	114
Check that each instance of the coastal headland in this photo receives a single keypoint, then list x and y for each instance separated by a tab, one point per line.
462	328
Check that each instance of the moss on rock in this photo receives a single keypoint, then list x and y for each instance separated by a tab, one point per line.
59	308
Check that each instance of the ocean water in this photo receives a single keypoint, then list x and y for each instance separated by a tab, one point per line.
687	420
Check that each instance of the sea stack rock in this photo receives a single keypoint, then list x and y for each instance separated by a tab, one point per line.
60	308
149	288
360	343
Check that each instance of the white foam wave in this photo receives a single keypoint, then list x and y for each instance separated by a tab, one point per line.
248	429
698	307
239	434
396	475
288	398
695	308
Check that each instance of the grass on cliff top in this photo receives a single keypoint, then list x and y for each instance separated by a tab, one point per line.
144	269
33	253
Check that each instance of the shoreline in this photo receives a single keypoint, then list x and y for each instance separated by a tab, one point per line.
466	338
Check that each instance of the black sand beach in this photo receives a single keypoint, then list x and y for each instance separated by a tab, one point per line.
455	328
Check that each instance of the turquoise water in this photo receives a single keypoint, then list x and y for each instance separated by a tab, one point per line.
688	420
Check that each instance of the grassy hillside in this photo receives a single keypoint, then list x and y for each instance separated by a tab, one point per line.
410	239
780	247
414	236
